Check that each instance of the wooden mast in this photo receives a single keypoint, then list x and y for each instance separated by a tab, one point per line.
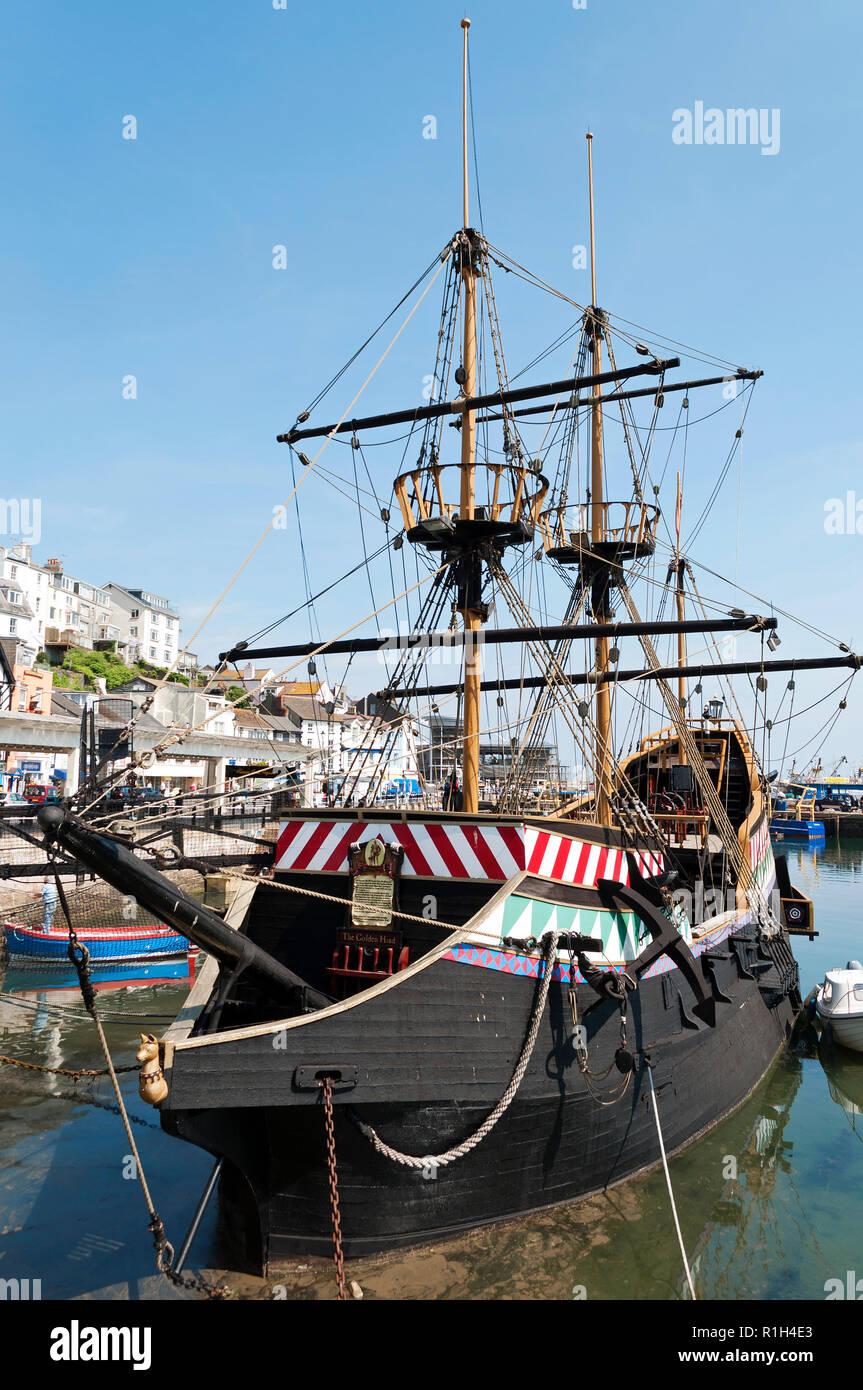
681	638
472	615
597	532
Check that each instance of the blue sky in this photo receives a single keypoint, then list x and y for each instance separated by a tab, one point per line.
303	127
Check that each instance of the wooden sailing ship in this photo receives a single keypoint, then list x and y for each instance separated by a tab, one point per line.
493	1054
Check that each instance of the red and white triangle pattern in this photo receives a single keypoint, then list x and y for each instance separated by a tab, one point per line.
435	850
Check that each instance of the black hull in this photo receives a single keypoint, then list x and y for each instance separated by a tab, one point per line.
239	1098
425	1054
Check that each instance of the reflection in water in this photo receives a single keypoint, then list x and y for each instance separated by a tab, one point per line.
844	1071
760	1208
71	1213
770	1201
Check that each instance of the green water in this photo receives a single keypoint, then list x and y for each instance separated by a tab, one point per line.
770	1202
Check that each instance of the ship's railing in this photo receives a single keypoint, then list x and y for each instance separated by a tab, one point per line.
801	808
658	737
623	523
680	825
806	806
586	814
505	492
699	727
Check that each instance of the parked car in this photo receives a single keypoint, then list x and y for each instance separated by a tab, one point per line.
139	796
122	798
40	793
148	794
837	801
13	799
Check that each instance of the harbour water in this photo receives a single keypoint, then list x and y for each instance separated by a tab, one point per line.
770	1201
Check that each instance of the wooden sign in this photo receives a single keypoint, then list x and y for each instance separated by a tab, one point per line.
374	868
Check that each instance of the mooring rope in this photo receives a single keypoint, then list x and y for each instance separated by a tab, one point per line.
332	898
80	958
668	1184
460	1150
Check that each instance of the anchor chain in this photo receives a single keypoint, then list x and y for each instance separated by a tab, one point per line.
333	1181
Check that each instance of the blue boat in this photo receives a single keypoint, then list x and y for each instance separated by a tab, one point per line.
107	945
798	829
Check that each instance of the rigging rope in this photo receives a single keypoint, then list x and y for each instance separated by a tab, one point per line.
146	705
740	859
457	1151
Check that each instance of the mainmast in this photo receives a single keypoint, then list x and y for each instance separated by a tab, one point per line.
470	588
681	639
600	600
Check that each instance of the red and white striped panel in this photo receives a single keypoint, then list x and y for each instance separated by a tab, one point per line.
649	864
456	851
759	843
574	861
430	851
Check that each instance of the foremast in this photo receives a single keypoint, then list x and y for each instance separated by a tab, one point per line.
600	598
498	503
469	594
680	566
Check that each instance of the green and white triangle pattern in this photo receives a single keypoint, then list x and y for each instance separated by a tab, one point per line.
517	918
765	869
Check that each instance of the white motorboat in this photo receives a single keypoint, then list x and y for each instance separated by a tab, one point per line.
839	1002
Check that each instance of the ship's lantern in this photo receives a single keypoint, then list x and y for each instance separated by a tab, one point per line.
438	527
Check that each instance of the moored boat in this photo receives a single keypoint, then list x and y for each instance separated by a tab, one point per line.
811	830
420	1057
106	945
839	1003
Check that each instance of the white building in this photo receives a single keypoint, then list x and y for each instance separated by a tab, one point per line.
49	607
149	627
177	707
259	681
26	597
94	612
358	755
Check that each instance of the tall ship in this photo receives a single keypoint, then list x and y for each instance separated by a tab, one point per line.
500	995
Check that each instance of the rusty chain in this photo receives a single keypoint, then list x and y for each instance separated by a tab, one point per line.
63	1071
333	1179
